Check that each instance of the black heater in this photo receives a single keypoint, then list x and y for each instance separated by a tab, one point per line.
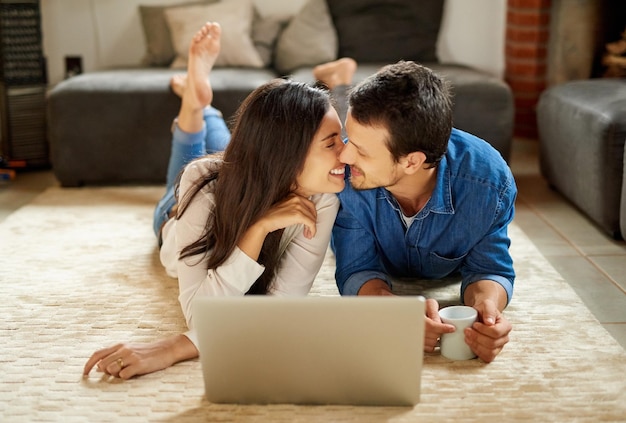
23	141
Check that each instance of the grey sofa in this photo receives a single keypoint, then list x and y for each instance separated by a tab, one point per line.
113	127
582	131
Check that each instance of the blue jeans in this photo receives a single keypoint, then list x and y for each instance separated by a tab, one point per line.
186	147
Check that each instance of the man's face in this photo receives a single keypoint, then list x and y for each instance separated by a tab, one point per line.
371	163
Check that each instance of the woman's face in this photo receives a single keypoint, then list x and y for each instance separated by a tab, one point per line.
322	171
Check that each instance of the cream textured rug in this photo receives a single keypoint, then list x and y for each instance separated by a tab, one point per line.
79	271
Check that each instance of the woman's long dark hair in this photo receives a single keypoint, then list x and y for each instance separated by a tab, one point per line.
272	133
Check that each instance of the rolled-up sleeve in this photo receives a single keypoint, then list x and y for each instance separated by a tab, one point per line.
356	254
490	258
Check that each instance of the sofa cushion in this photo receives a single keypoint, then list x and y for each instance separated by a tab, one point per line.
375	31
265	32
160	51
309	39
118	122
159	48
235	18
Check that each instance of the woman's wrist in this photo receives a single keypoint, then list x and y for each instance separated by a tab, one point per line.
178	348
252	240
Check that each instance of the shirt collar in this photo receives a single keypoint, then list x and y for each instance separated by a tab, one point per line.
441	200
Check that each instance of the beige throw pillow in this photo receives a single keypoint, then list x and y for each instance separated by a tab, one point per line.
308	40
235	18
159	49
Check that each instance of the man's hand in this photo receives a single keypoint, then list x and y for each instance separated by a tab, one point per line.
490	333
434	326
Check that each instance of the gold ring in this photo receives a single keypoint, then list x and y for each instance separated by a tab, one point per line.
120	363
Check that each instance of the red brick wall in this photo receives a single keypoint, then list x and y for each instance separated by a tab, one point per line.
526	46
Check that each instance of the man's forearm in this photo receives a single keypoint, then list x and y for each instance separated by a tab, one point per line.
486	289
375	287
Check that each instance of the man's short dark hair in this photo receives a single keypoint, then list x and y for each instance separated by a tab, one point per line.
412	102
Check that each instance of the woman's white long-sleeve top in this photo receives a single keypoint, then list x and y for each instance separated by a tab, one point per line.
299	264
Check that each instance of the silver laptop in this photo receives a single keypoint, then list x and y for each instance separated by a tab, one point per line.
311	350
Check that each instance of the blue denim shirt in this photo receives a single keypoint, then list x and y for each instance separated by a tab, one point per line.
462	228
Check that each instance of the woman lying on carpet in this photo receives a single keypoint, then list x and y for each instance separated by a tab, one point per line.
255	221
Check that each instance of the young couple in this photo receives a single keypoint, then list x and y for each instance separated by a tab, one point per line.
424	200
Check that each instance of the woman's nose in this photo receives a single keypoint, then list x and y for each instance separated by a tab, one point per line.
344	154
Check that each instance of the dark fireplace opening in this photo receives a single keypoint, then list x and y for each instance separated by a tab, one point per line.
611	28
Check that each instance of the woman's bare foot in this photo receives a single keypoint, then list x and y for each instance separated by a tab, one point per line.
338	72
203	51
177	83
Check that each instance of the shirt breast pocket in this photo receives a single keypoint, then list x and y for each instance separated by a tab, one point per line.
441	267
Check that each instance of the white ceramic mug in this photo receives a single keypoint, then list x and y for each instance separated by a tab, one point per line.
453	344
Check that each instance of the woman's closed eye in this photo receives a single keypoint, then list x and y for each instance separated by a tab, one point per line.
333	142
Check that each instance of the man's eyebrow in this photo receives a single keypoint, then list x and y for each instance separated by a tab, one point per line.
358	147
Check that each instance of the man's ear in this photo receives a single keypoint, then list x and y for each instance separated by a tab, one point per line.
413	162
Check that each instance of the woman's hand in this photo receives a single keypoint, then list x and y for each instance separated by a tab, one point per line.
128	360
293	210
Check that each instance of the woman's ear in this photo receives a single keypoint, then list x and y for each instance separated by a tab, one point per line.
413	162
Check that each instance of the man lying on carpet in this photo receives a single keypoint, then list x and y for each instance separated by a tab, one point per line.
424	200
257	221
